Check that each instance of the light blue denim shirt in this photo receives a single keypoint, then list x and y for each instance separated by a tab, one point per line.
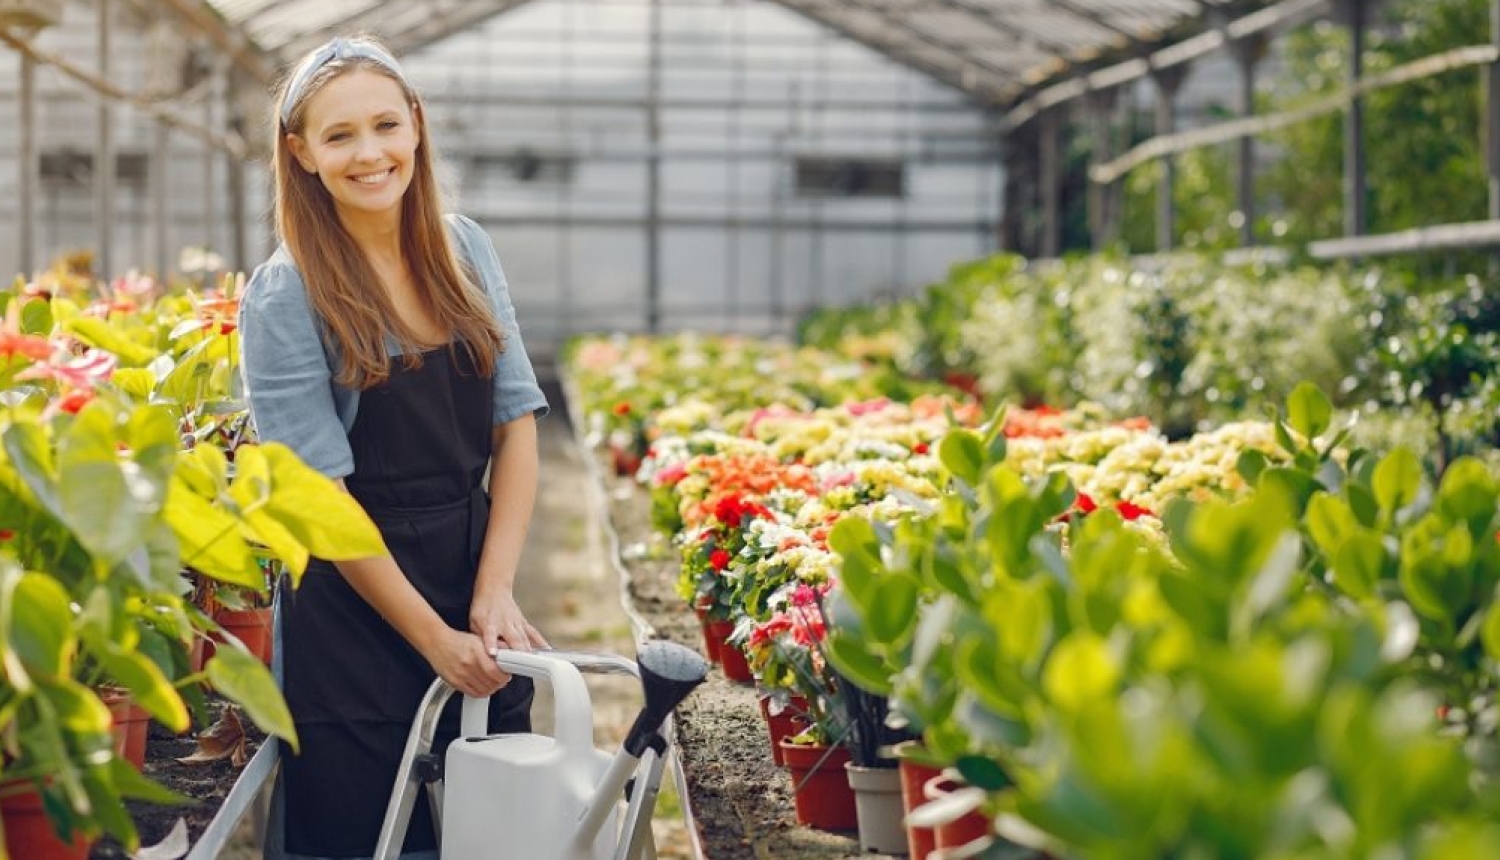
288	371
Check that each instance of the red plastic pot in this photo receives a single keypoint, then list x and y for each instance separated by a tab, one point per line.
791	721
131	722
731	658
710	644
250	626
28	831
820	787
920	841
962	830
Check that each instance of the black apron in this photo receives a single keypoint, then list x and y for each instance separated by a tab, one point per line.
421	442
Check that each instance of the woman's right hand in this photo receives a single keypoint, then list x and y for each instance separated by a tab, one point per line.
461	659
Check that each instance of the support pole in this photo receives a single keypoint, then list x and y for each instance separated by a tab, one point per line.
234	168
27	164
1492	111
1356	220
1100	107
1247	53
1168	82
104	157
1049	150
653	173
161	160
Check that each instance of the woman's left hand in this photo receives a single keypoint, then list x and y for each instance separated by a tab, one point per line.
499	622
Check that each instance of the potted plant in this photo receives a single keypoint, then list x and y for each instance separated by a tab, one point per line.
872	770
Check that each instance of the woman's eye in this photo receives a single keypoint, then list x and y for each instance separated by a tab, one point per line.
388	125
337	136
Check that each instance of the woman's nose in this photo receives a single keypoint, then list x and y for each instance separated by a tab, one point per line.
368	148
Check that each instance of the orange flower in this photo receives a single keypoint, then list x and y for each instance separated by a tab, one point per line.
13	342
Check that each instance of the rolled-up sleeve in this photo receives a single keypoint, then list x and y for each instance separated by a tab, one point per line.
516	389
286	374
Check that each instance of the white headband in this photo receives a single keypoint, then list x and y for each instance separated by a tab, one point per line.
336	49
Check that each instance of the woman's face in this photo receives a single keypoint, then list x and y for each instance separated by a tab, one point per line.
360	137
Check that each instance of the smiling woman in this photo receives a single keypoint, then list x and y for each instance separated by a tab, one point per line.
381	345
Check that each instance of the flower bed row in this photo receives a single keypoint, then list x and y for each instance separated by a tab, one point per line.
131	503
1252	642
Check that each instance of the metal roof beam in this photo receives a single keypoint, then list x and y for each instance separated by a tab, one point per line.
241	49
1077	11
958	49
961	78
444	24
994	19
1287	13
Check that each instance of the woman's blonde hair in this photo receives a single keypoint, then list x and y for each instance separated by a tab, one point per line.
341	283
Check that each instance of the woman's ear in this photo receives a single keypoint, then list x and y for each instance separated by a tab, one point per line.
299	151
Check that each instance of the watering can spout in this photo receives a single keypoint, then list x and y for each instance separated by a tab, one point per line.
669	672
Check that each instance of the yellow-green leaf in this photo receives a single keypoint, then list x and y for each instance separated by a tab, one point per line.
242	677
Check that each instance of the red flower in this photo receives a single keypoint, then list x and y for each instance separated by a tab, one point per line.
920	448
75	400
1084	504
622	408
1130	511
7	534
719	559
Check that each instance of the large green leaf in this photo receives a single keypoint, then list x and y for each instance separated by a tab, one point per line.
31	455
962	453
1358	564
210	539
151	689
40	621
1397	480
327	520
893	610
1308	410
858	663
242	677
97	332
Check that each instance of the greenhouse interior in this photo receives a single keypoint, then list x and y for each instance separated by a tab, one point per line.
1024	429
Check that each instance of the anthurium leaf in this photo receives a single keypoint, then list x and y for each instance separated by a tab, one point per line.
962	454
137	382
102	512
107	808
97	332
1397	479
152	437
243	678
36	318
211	461
147	685
40	623
77	707
251	491
210	539
1308	410
327	520
31	454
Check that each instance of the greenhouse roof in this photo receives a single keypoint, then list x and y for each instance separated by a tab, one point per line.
996	51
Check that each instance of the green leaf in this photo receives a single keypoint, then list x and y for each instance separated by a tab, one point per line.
1308	410
36	318
40	626
1250	464
853	536
1358	564
1081	670
78	708
1490	632
893	610
858	663
242	677
1397	480
137	382
97	332
210	539
1329	521
148	685
985	773
963	455
131	784
327	520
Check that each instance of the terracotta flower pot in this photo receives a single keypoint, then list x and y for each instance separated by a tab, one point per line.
130	724
962	830
731	658
920	841
877	803
791	721
28	831
250	626
821	791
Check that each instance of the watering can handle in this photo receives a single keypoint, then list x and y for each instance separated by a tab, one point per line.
574	717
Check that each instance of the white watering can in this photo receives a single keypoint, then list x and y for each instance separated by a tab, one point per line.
533	797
